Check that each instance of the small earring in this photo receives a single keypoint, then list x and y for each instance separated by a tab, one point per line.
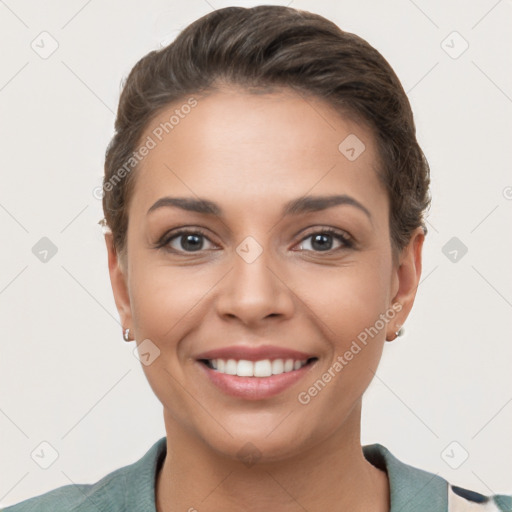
399	332
126	334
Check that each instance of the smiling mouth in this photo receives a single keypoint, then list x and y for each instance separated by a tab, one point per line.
258	369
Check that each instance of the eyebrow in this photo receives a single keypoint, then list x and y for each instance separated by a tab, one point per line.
297	206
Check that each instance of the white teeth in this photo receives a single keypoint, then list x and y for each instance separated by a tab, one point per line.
245	368
231	366
262	368
277	366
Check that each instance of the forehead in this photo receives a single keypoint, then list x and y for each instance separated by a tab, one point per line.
238	147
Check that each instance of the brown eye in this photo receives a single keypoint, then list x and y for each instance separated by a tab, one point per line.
321	240
184	241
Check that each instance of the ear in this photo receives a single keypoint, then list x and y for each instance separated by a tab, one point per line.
406	279
119	281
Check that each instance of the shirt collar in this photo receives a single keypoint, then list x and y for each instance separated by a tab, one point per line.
140	478
411	488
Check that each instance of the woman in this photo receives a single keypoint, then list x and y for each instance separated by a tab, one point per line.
264	198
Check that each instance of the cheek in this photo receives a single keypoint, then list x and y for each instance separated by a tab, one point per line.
167	299
349	303
347	299
166	304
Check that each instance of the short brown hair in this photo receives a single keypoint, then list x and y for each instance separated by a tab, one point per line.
258	49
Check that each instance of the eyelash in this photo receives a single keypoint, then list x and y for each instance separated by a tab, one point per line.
347	242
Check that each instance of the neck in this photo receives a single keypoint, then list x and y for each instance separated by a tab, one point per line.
333	475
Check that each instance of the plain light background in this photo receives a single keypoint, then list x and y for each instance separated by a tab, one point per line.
66	376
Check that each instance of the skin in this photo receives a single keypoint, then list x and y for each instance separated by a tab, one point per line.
250	154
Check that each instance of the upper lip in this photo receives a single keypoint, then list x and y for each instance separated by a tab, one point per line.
251	353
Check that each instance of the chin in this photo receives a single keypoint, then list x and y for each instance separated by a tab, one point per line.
259	443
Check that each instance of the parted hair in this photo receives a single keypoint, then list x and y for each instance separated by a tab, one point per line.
261	49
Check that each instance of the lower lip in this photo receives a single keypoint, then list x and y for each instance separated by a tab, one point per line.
255	388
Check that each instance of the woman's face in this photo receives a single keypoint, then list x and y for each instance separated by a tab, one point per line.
261	273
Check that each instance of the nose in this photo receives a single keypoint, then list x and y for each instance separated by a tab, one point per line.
254	290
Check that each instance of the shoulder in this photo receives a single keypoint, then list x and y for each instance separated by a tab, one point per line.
415	489
78	497
133	484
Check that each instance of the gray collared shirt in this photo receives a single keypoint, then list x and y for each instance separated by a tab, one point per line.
132	489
